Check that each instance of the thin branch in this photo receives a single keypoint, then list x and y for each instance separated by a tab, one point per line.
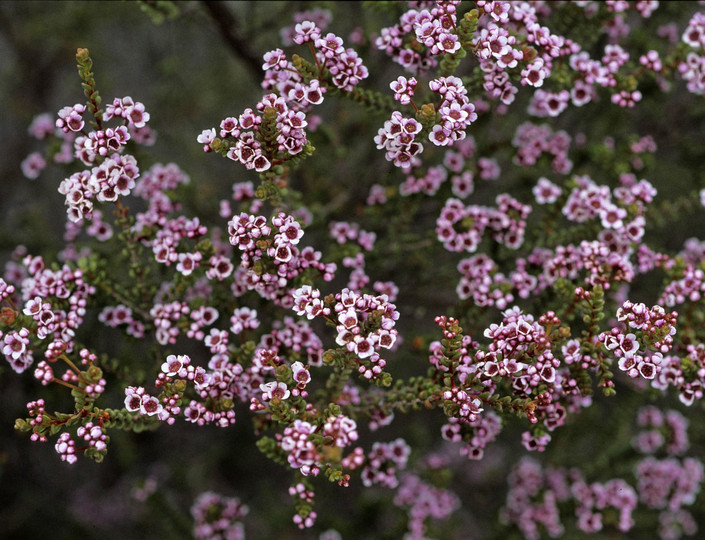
228	27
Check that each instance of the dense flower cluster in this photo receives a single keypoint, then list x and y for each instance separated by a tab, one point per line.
254	149
384	461
657	329
433	29
506	194
365	323
424	501
506	224
534	496
113	173
277	243
218	517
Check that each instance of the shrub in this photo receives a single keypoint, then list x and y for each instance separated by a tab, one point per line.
473	246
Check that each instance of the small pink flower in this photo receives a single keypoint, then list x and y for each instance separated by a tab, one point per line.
535	73
447	43
300	373
306	31
362	346
207	136
15	343
43	373
313	93
66	448
440	136
176	365
136	115
348	318
32	165
275	59
188	262
150	406
243	318
133	398
274	390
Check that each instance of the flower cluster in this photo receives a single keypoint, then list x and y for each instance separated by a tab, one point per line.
421	35
506	224
198	292
656	328
669	483
365	323
216	516
276	131
667	431
276	244
55	301
532	141
301	452
113	173
424	501
113	178
535	494
435	28
455	109
398	140
259	140
384	461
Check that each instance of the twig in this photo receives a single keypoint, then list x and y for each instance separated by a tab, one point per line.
228	27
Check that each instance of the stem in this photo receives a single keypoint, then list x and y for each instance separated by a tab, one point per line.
69	385
77	371
315	58
135	259
239	45
118	296
12	303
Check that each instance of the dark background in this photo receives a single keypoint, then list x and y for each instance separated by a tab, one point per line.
190	72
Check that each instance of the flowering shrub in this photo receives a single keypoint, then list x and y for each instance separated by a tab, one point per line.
502	277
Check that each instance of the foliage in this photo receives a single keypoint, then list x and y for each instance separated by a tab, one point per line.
447	284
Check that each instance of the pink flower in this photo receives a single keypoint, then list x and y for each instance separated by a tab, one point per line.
149	405
188	262
66	448
15	343
313	93
207	136
70	118
306	31
622	345
546	192
403	89
274	390
243	318
32	165
300	374
534	73
446	43
136	115
342	429
275	59
42	126
348	318
362	346
133	398
44	373
330	45
440	136
176	365
626	99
